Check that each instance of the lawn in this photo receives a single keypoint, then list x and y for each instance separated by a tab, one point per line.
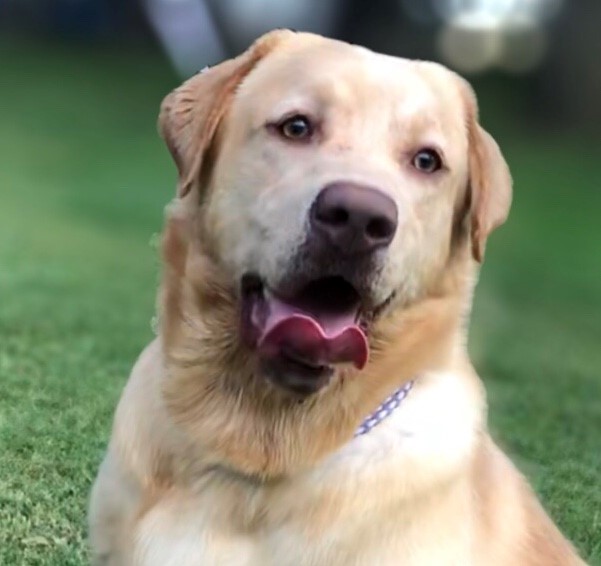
83	182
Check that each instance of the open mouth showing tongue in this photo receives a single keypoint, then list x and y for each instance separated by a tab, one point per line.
309	332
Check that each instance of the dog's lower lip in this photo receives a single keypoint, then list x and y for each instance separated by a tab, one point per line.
294	376
302	362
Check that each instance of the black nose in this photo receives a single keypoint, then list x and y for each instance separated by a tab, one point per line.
354	218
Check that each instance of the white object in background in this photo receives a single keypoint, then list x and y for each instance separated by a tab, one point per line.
481	34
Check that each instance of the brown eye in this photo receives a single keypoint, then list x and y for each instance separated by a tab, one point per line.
296	128
427	161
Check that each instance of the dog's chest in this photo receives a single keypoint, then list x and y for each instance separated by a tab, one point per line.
363	505
338	520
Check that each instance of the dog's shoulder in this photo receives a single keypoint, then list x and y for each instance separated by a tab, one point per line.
142	432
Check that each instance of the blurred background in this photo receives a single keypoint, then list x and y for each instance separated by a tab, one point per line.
84	179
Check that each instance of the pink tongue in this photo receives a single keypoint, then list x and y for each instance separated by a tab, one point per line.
313	339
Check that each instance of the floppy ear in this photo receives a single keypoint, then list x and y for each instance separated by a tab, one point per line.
490	184
190	115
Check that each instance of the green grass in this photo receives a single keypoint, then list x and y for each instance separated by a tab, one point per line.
83	181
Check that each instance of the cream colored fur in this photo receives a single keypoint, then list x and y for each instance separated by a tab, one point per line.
210	465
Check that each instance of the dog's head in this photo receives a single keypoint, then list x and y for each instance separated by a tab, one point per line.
325	187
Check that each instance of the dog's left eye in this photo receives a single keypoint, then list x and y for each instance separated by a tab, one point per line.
296	128
427	161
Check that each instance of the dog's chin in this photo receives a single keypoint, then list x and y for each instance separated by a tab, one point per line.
302	337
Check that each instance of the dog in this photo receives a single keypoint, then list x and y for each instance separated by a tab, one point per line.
309	400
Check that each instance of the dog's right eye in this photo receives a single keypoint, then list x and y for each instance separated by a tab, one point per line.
296	128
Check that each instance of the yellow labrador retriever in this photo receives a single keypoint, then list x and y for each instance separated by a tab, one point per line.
309	400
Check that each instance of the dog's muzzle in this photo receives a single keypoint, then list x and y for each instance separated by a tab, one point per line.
317	316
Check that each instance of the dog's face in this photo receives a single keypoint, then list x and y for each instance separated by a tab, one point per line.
333	183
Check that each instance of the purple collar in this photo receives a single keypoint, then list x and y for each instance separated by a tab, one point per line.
385	409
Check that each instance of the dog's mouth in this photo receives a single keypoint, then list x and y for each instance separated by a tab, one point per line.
306	334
